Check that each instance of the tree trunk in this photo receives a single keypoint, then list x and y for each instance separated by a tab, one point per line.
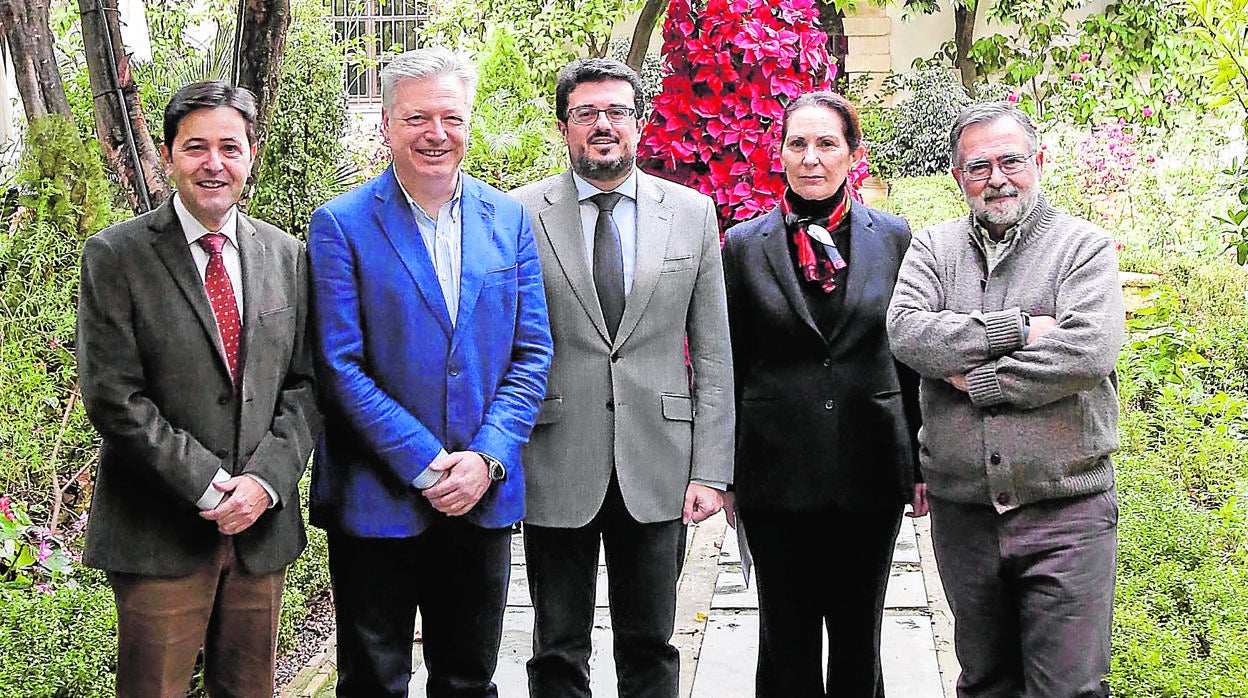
832	22
30	42
964	13
647	20
119	121
258	65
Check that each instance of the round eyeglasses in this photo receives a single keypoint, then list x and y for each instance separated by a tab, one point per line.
584	116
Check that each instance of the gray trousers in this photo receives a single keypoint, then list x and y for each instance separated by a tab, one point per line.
1032	594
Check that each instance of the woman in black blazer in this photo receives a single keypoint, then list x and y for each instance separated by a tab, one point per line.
826	451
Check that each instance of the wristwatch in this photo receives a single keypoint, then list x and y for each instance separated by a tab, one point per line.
495	466
1026	325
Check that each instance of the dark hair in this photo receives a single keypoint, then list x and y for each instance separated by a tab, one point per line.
209	95
833	102
988	112
594	70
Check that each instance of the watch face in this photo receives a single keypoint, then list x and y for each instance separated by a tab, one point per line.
497	471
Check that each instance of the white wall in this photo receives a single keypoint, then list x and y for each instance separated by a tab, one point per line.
921	36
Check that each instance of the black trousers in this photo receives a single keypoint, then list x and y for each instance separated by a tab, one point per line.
827	569
643	562
456	574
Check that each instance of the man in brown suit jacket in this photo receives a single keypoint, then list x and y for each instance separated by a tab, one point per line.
196	370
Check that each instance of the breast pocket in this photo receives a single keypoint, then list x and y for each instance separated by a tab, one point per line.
676	264
500	277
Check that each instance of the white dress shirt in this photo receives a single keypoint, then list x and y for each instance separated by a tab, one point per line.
625	215
194	230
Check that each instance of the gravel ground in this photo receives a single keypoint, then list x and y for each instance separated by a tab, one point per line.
316	627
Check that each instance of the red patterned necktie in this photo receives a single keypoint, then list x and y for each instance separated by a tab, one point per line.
221	296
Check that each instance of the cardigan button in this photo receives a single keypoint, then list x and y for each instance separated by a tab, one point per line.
995	459
610	405
827	363
827	405
1003	498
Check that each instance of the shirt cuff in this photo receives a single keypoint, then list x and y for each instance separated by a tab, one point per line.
713	484
272	493
213	496
428	477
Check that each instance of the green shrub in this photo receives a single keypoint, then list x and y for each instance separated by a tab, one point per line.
925	201
304	162
58	645
305	578
63	198
920	144
513	138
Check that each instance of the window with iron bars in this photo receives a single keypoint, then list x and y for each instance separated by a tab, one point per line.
374	31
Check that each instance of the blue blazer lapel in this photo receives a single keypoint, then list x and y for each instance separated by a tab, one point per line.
477	245
394	218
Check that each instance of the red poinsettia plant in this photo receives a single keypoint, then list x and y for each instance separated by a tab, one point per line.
732	66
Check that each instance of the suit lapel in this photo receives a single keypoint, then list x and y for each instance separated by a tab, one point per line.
169	241
394	218
654	227
776	249
477	248
865	253
252	258
561	224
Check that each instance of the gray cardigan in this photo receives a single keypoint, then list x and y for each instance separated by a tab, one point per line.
1038	421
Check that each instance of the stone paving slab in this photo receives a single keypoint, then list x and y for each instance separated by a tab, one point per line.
726	665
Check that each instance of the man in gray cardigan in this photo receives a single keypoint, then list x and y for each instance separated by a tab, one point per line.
1013	316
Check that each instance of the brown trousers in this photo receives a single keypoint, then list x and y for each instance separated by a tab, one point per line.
163	621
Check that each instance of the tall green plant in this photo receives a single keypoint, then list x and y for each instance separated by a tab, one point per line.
1223	24
305	163
513	139
547	34
45	439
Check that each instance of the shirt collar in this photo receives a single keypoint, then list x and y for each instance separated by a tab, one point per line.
456	196
194	230
1010	234
584	189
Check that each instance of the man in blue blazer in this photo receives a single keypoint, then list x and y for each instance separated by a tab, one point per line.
432	349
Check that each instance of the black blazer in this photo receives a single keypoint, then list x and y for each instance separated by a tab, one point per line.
820	419
156	386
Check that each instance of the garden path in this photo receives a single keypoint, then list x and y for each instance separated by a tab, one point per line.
717	626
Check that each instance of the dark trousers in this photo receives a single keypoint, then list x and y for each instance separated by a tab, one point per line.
455	574
163	621
643	561
815	571
1032	594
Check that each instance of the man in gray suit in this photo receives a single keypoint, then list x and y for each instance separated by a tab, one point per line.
196	369
629	445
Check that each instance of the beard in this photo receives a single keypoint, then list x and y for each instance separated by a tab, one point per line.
1021	205
596	170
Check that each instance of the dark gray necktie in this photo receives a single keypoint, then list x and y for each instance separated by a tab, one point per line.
608	261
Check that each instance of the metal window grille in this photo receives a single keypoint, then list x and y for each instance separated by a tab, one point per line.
374	31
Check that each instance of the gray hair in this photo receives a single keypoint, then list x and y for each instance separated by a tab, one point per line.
985	113
427	62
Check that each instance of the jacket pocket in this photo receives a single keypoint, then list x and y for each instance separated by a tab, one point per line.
678	408
499	277
671	264
551	410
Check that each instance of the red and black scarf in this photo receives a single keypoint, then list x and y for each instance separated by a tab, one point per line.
816	268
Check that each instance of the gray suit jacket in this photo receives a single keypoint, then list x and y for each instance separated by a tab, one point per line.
155	385
632	403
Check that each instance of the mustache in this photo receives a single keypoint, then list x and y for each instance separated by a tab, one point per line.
603	134
1004	190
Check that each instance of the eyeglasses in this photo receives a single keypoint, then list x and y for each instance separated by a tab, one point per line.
584	116
978	170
